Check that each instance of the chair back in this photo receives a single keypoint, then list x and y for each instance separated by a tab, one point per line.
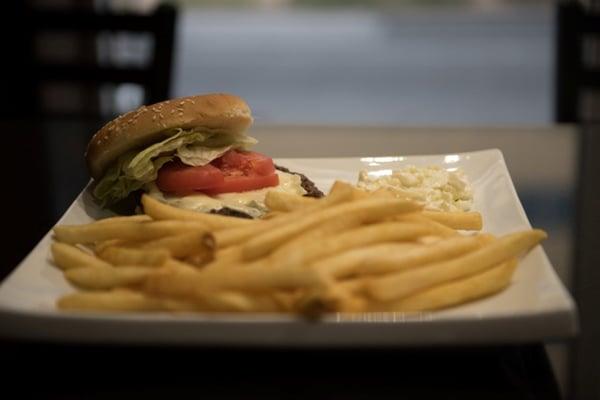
577	91
95	69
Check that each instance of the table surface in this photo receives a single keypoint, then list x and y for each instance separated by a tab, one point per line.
54	154
75	372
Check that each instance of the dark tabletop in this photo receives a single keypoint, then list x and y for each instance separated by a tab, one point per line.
60	371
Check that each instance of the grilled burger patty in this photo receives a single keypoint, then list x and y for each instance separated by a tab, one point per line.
307	184
311	189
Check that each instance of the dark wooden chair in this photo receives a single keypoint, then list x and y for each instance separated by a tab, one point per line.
578	101
577	94
88	71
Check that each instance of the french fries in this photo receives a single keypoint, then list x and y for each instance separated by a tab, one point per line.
351	251
339	216
455	292
394	257
307	251
404	283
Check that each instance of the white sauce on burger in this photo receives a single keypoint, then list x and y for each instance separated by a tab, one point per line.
251	202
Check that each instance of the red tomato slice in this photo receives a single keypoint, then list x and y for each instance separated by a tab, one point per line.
176	177
248	162
231	159
234	171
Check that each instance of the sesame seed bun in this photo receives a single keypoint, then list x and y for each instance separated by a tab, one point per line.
215	112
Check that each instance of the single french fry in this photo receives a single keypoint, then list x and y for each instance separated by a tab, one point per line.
247	278
171	281
355	260
340	189
67	257
120	300
387	258
133	231
469	221
354	286
235	301
104	244
231	236
403	284
329	298
303	251
455	292
285	202
428	239
182	245
345	214
102	278
360	194
176	265
116	255
441	229
127	218
382	193
227	257
162	211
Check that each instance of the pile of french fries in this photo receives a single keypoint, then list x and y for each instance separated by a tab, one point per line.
350	251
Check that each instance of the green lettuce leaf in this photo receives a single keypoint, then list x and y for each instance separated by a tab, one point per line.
134	169
115	185
198	154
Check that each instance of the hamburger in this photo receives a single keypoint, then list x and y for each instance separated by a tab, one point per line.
190	152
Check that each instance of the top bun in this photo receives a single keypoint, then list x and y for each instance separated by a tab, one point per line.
215	112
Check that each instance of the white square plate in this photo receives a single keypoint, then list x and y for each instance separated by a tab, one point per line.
535	307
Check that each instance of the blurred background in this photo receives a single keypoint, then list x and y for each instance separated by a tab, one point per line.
492	73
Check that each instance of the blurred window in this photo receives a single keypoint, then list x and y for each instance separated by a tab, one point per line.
373	62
